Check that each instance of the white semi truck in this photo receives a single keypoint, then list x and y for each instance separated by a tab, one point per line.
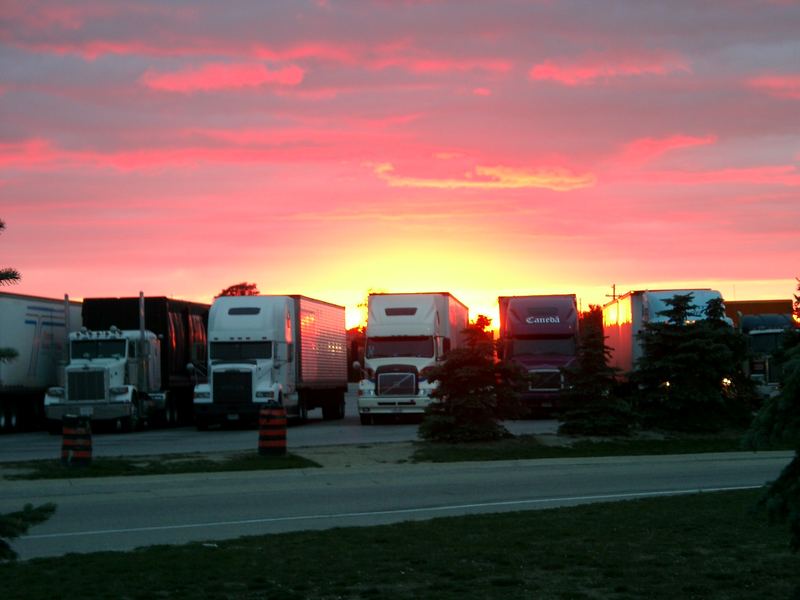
272	350
625	316
113	377
36	330
406	333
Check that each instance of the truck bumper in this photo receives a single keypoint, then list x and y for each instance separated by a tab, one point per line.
227	413
542	401
93	410
392	405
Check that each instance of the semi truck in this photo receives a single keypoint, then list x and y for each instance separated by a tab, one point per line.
625	316
264	351
406	333
128	363
36	330
540	333
765	334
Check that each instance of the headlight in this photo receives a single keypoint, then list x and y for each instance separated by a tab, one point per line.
56	391
119	390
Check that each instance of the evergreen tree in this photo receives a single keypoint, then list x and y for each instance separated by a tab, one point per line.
240	289
13	525
690	373
593	405
474	391
778	422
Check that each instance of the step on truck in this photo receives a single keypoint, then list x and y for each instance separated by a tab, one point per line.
406	333
540	333
36	330
272	350
127	365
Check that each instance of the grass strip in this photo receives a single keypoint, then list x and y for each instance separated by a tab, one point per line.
529	447
167	464
702	546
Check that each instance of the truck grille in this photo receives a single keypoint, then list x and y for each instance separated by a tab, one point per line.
86	385
544	381
397	384
233	386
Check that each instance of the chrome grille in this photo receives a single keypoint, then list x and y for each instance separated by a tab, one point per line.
544	380
86	385
396	384
233	386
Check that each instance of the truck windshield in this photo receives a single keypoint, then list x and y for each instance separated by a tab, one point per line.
240	350
560	346
390	347
98	348
765	343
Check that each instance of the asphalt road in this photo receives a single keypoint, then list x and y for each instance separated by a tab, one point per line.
123	513
315	432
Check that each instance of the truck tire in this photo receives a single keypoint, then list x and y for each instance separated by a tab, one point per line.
333	410
54	427
302	409
366	419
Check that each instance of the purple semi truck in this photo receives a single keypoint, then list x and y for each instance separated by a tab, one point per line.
540	333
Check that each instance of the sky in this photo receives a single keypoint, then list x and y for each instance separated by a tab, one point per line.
330	148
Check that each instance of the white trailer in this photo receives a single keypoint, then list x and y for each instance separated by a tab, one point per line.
273	350
406	333
36	329
625	316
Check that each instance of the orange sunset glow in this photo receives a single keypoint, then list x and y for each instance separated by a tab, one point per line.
329	148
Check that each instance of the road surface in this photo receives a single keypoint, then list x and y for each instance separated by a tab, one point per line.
123	513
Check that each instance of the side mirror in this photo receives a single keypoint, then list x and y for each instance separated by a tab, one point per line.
190	367
356	365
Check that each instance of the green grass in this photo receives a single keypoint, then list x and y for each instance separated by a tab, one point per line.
528	447
154	465
704	546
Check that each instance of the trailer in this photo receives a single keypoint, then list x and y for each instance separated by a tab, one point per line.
128	364
406	333
540	333
288	351
36	329
625	316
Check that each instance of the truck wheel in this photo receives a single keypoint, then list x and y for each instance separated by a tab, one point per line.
54	427
366	419
3	419
13	418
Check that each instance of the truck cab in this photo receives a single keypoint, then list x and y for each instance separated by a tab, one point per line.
406	333
540	333
112	376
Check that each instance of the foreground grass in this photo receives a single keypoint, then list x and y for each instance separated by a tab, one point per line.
528	447
154	465
704	546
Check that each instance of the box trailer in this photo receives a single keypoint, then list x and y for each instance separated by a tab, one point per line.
540	333
273	350
406	333
625	316
36	329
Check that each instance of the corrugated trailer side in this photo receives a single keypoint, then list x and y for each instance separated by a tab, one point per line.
322	343
36	328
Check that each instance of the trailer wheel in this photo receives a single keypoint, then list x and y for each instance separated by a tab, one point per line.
302	409
12	418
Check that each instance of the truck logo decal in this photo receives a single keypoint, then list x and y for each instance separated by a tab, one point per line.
543	320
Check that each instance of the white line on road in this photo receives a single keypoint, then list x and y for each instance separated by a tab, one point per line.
400	511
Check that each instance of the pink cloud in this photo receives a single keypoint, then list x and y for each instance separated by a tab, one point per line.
590	69
492	178
26	153
781	86
221	76
482	91
786	175
646	149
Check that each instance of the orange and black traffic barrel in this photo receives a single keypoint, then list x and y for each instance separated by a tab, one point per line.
76	441
272	431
